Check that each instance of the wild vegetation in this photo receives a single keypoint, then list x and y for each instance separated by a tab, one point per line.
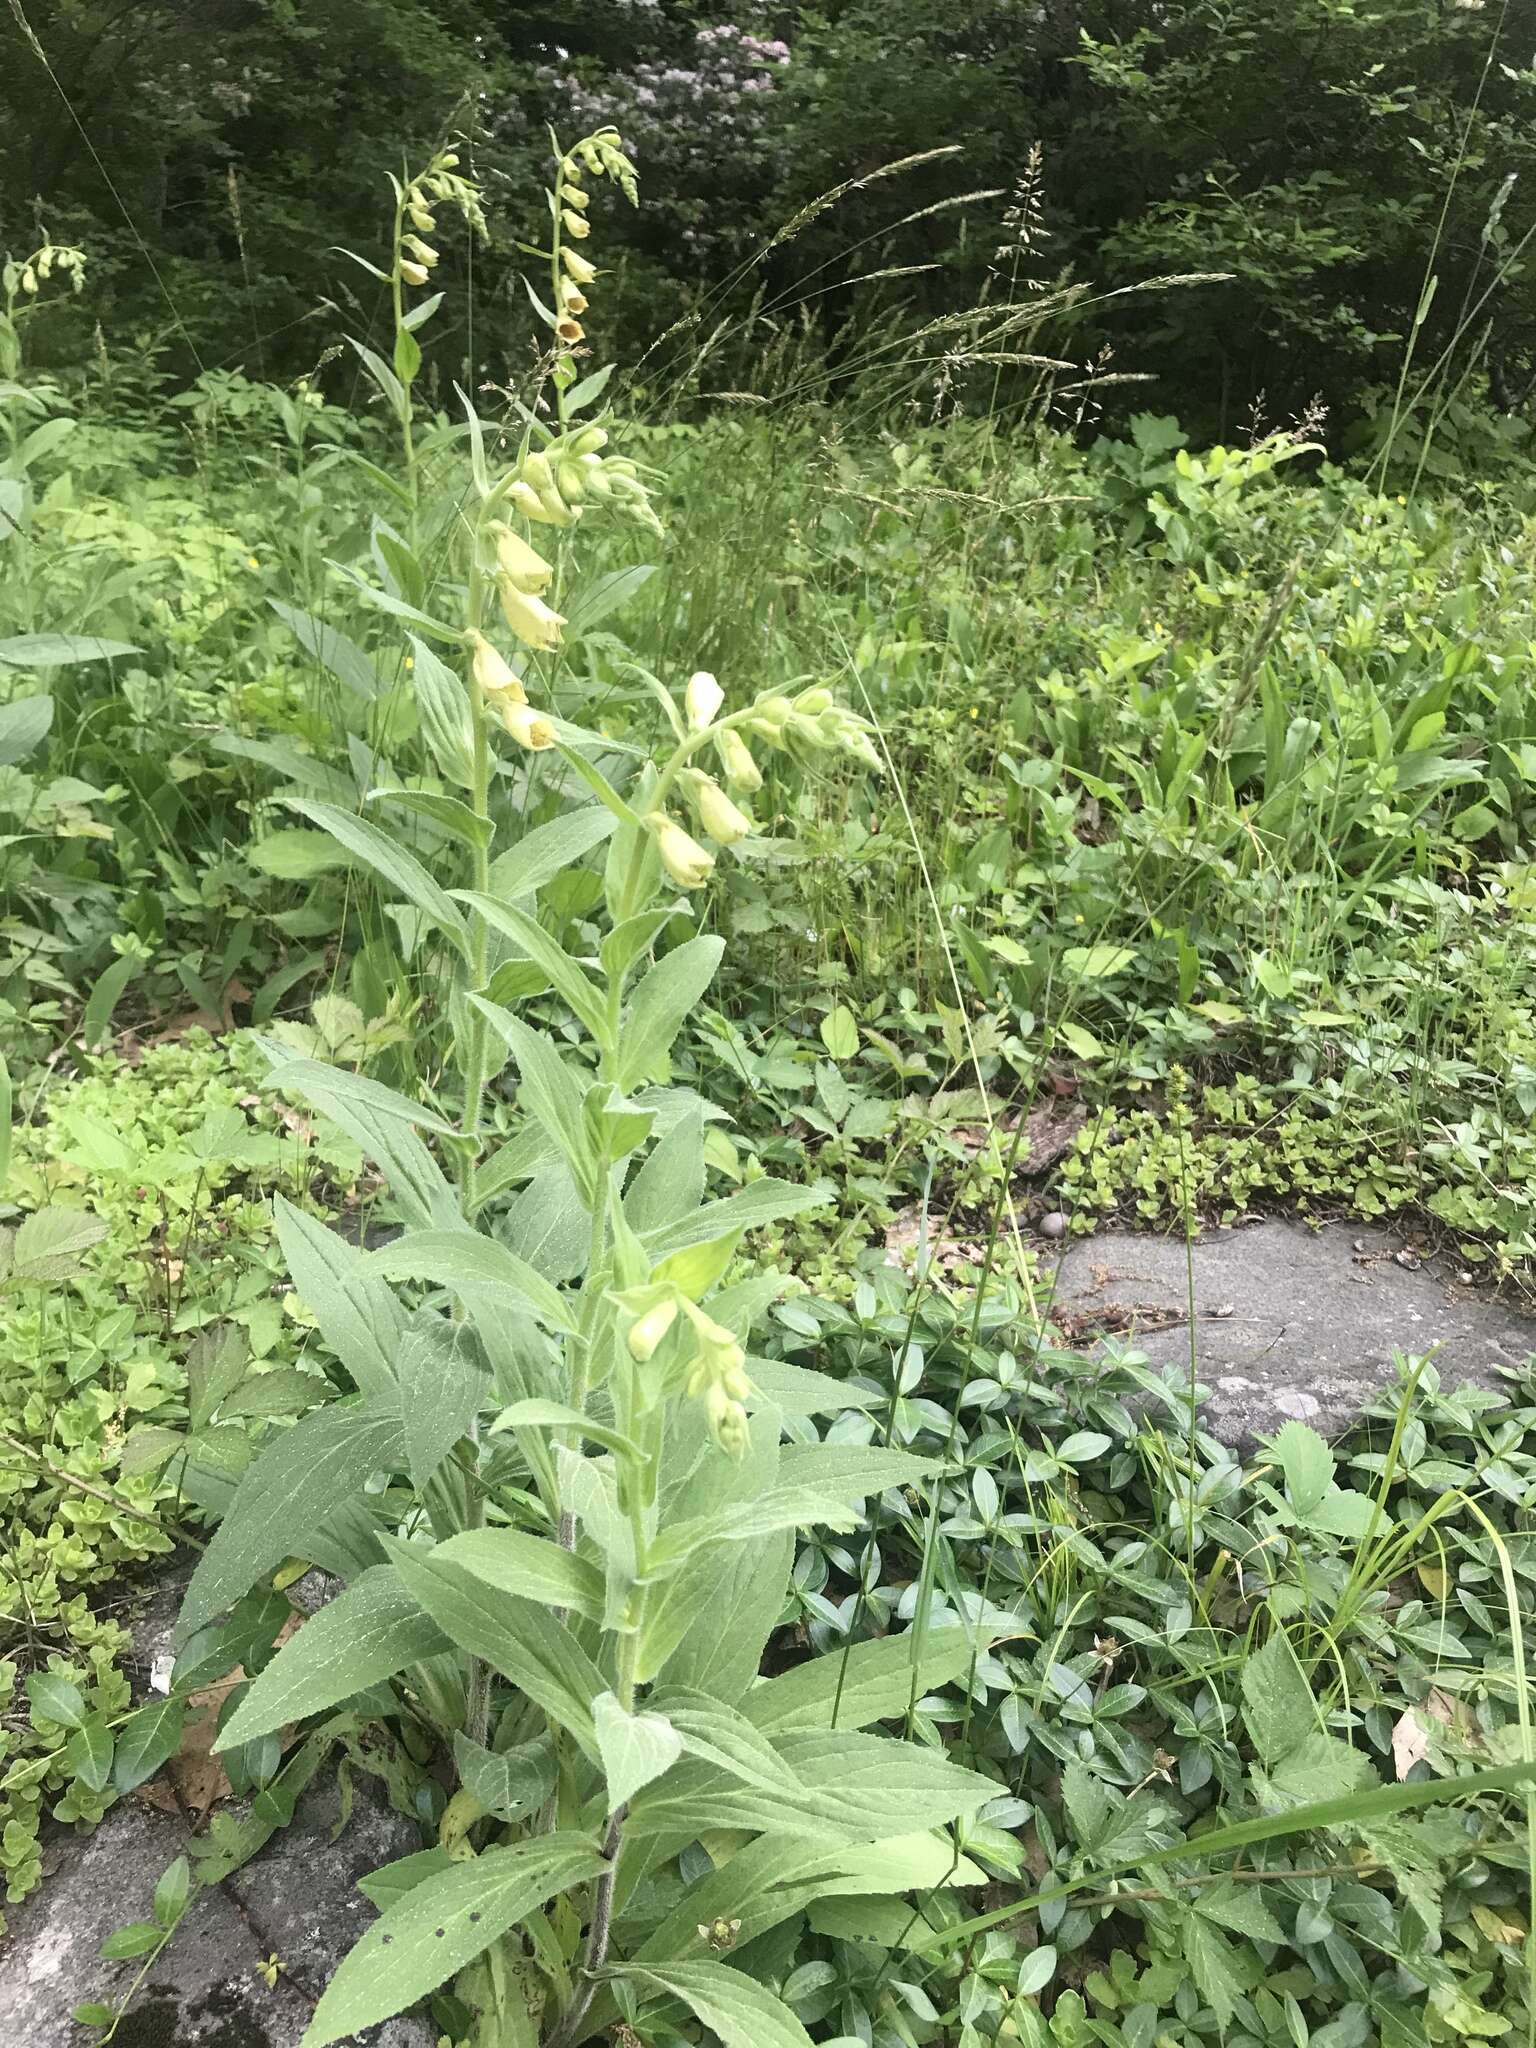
526	865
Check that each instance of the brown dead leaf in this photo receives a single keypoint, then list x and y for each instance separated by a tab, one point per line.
1410	1743
203	1019
1049	1131
195	1781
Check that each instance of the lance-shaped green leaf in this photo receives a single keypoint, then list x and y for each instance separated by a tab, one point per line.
298	1480
442	1924
390	862
463	1259
664	999
547	850
334	651
744	2013
442	1386
383	1124
549	1091
521	1640
818	1484
371	1631
765	1201
872	1681
358	1314
530	1567
573	987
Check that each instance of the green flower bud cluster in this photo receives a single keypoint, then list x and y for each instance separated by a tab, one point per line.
29	274
813	722
553	485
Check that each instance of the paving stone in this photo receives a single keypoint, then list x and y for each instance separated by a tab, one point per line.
298	1900
1290	1322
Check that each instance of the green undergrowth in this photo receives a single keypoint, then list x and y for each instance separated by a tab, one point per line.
162	1165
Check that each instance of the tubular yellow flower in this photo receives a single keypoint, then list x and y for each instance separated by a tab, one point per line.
727	1422
577	266
572	299
647	1331
574	224
413	273
574	196
536	471
689	865
570	332
741	771
702	699
422	251
526	726
529	617
492	672
420	217
718	815
589	440
519	563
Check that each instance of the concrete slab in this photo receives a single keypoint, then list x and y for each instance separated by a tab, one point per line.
1289	1322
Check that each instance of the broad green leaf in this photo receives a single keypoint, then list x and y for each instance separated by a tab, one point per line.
295	854
24	725
537	1414
663	1001
382	601
442	1388
88	1754
359	1316
530	1567
297	1480
146	1740
840	1032
635	1748
574	987
518	1638
391	862
744	2013
547	850
765	1201
1096	963
509	1783
1239	1907
391	1881
447	722
441	1924
793	1388
60	650
460	1259
1307	1464
52	1698
1278	1709
872	1681
367	1633
334	651
50	1243
670	1182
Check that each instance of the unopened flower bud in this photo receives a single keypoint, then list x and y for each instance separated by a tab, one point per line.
519	563
529	503
413	273
421	218
727	1422
647	1331
570	482
525	725
449	160
491	672
589	440
536	471
689	865
720	818
741	771
529	617
574	225
555	511
811	703
770	716
702	699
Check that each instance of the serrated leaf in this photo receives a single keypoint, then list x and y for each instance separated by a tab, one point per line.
1278	1709
440	1925
1239	1907
50	1243
1307	1464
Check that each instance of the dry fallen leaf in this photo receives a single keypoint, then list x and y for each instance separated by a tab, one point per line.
1410	1743
194	1780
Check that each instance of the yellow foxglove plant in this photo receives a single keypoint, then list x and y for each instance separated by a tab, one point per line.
559	1598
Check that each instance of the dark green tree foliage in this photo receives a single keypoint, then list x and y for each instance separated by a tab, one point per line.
1329	154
